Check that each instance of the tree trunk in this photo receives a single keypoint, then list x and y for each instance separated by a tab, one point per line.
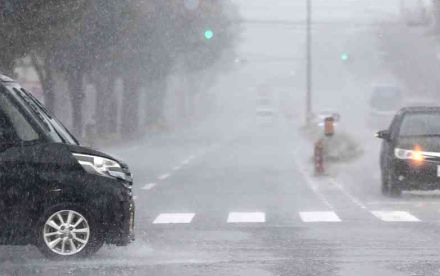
44	71
130	107
154	102
75	87
106	105
48	86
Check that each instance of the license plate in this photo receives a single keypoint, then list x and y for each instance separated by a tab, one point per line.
438	170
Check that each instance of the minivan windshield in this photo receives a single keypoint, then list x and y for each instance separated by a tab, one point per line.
54	128
421	124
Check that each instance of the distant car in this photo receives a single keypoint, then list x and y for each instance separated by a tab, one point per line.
265	111
415	13
410	153
385	101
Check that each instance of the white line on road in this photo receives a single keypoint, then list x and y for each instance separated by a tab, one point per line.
185	162
174	218
312	184
163	176
149	186
354	199
394	216
241	217
319	217
176	168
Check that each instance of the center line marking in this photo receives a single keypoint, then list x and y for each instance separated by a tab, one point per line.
176	168
185	162
354	199
312	184
240	217
163	176
149	186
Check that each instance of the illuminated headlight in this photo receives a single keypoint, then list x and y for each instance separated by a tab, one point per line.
101	166
406	154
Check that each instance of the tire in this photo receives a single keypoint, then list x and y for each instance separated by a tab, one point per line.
57	238
384	185
393	190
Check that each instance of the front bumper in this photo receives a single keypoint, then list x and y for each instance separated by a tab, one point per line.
417	177
121	229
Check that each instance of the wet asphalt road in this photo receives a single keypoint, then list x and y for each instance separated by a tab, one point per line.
289	222
244	199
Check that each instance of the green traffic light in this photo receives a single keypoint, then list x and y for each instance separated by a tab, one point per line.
209	34
344	57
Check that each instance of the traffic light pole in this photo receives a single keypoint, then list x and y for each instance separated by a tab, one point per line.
309	62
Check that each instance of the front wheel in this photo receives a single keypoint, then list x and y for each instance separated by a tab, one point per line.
390	186
68	231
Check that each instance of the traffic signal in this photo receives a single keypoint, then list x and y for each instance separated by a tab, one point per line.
345	57
209	34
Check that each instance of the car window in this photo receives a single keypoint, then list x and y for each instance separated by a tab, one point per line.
420	124
20	124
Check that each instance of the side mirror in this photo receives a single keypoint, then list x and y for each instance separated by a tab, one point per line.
384	134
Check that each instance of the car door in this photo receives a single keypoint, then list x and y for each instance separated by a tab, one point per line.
16	173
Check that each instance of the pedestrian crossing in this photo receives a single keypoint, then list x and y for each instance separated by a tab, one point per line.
306	217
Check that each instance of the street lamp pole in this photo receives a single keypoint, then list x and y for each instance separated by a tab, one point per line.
308	61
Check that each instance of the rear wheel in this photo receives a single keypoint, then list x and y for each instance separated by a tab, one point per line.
66	232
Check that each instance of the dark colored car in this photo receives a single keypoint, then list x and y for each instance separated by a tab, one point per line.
410	154
66	199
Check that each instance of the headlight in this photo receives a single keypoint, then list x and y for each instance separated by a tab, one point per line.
101	166
406	154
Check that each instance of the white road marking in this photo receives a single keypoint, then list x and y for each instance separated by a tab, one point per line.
312	185
176	168
394	216
354	199
241	217
319	216
185	162
171	218
149	186
163	176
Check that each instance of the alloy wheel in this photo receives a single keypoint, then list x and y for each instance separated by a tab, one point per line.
66	232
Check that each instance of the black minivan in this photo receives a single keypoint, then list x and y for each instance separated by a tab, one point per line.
66	199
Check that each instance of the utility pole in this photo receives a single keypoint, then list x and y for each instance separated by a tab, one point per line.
309	61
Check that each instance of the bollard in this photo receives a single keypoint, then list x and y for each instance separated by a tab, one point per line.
319	157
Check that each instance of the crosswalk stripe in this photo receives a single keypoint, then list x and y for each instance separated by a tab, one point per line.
243	217
394	216
326	216
171	218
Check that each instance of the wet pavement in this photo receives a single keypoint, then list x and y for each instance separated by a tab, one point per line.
235	198
248	204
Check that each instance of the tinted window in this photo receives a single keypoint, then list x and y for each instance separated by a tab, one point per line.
420	124
23	129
